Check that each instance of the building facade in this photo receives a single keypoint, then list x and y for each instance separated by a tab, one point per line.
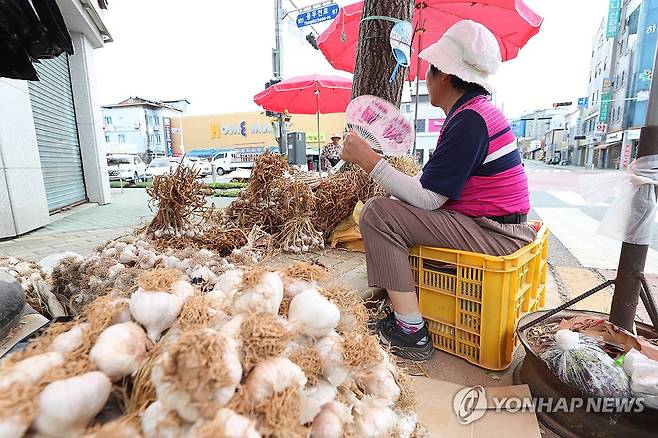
144	123
531	129
250	133
429	121
618	90
51	154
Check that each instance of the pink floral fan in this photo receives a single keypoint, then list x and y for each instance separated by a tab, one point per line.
381	124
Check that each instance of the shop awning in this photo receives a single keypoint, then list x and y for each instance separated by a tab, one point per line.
606	145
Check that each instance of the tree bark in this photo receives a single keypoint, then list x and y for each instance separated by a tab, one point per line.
374	59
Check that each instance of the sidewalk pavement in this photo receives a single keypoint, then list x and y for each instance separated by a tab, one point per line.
85	227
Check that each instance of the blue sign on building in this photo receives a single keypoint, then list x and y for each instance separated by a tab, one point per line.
518	128
583	102
318	15
647	39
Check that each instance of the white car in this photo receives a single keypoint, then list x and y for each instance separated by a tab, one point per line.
200	164
223	162
161	166
126	167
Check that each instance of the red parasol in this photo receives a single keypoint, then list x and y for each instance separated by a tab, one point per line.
312	94
511	21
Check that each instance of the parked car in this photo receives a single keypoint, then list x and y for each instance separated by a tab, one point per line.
126	167
224	162
200	164
161	166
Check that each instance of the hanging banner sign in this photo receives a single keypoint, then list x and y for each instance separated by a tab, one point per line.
614	13
318	15
604	110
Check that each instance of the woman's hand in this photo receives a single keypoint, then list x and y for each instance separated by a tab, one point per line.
357	151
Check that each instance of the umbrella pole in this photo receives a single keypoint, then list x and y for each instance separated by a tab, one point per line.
421	6
317	113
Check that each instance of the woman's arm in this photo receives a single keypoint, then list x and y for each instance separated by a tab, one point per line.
406	188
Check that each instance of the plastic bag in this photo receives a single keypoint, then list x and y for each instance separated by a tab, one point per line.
644	377
631	217
580	363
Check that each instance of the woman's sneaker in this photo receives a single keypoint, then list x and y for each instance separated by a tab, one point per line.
413	346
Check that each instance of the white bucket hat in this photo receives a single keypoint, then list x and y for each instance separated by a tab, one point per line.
467	50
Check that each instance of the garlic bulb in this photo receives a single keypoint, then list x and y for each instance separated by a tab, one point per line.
331	355
119	350
187	380
226	424
229	281
14	426
380	381
183	289
331	420
272	376
109	252
312	399
294	286
406	424
66	406
127	257
158	422
373	417
31	369
231	329
114	270
265	297
313	314
156	311
69	341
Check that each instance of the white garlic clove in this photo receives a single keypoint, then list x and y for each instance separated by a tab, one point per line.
30	370
312	399
70	340
266	296
156	311
119	350
67	406
272	376
313	314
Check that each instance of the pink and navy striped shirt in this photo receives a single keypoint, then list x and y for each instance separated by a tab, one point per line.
477	164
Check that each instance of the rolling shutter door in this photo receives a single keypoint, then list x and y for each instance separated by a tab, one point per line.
57	134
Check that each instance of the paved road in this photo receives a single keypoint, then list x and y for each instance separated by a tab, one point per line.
580	258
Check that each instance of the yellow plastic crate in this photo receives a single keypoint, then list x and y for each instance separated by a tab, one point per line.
472	302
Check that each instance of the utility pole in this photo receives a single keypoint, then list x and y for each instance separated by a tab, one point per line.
633	257
277	72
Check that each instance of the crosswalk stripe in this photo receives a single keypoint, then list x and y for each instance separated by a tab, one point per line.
577	233
573	198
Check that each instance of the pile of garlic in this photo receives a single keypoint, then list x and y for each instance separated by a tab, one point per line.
242	353
35	281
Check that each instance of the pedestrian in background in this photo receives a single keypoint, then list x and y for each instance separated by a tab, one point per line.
331	152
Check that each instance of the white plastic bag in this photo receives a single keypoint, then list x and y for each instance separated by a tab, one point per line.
644	377
631	216
49	262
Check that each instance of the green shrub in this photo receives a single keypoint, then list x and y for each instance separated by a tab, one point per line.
230	185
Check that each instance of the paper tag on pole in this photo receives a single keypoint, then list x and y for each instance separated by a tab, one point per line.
401	35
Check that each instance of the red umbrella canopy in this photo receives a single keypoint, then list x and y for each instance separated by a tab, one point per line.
297	95
511	21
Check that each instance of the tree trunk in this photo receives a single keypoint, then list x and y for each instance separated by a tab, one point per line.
374	59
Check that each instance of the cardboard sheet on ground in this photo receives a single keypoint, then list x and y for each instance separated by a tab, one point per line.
435	407
347	233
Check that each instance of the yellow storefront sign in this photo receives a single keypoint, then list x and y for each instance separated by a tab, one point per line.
248	130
